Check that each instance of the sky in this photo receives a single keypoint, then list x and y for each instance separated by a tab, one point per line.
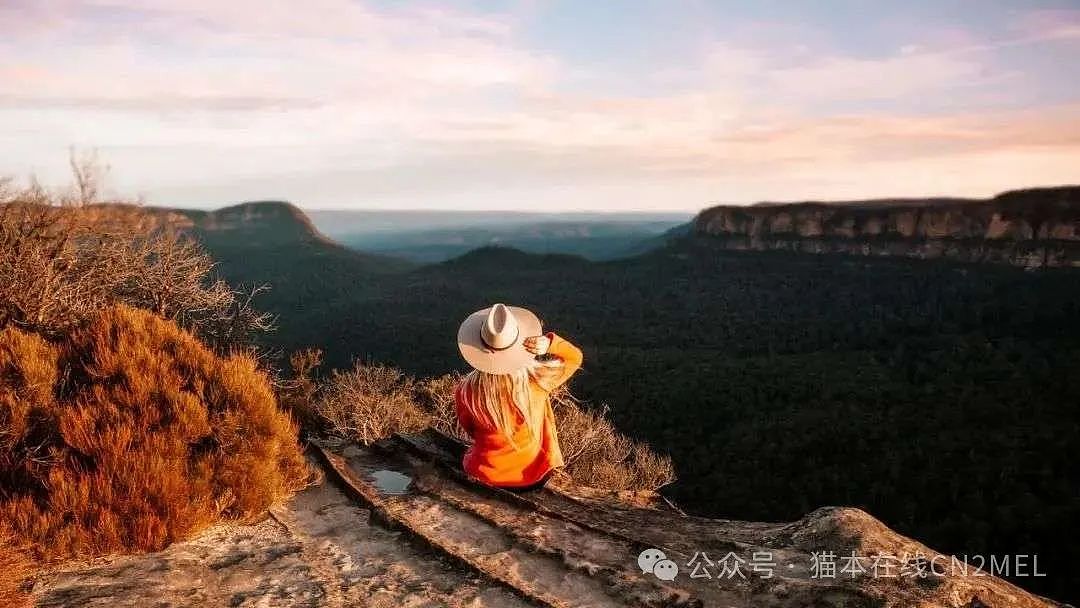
542	105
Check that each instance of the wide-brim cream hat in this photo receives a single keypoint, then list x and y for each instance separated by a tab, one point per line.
492	340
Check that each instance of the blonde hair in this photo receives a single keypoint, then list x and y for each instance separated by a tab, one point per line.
486	393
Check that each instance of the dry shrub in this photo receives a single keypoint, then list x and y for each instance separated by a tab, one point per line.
599	456
64	256
368	403
130	434
436	396
298	393
15	567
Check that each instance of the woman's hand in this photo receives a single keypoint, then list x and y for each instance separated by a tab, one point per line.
537	345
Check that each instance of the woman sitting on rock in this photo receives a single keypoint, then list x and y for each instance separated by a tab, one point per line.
503	403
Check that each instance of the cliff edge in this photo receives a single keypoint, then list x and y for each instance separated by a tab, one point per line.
397	524
1034	228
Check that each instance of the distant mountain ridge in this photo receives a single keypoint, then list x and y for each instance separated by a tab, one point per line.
344	222
277	227
274	244
275	222
1038	227
429	237
1031	228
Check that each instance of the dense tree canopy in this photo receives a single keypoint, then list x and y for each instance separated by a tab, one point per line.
940	397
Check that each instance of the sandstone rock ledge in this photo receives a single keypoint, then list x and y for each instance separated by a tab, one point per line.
396	524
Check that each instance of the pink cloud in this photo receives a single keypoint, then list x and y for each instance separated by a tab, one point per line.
197	91
1057	24
898	76
178	53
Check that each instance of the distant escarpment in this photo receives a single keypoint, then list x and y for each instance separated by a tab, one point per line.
275	242
1033	228
259	222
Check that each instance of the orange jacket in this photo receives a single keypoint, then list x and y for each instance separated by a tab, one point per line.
492	458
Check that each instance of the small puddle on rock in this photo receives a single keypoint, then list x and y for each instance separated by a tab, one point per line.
391	482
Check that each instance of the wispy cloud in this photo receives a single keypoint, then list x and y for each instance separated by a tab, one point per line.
332	49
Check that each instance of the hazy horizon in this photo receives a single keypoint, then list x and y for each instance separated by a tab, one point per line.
673	212
544	106
478	212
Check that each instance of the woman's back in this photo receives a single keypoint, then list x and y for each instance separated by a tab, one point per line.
509	449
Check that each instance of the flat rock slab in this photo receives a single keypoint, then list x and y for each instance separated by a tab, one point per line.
399	524
318	550
570	546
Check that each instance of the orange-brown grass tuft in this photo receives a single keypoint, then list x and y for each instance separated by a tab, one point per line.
15	566
130	434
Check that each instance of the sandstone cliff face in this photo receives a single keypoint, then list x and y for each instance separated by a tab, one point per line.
1030	228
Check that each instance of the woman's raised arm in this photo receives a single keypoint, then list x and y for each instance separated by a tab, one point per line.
570	356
